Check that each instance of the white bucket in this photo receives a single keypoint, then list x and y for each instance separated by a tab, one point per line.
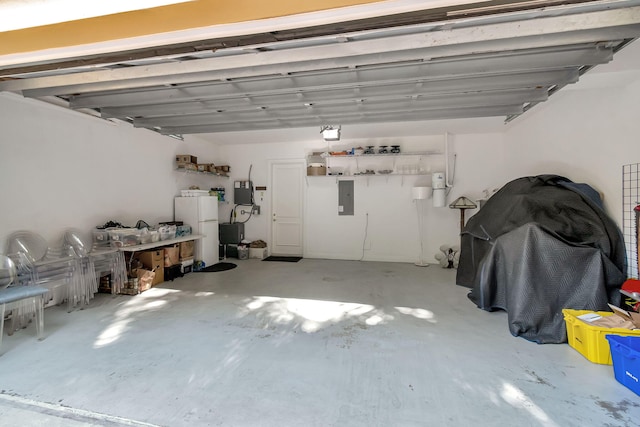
439	197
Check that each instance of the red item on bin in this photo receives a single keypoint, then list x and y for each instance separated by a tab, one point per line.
631	285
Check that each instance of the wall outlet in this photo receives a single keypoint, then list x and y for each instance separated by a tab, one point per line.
255	210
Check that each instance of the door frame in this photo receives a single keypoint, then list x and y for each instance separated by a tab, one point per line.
270	164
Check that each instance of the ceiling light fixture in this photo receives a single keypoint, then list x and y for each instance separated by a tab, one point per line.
330	133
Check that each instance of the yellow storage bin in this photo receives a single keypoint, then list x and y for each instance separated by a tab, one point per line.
590	340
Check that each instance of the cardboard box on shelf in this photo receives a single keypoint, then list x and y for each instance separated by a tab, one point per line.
171	255
188	166
186	250
316	170
153	260
186	158
203	167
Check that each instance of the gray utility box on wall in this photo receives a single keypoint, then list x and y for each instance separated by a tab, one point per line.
242	192
345	197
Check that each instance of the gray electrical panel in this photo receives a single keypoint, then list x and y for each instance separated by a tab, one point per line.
345	197
242	192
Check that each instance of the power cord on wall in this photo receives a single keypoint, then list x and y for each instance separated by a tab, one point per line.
453	175
233	214
366	230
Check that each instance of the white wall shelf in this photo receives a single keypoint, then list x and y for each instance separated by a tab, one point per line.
416	153
405	163
189	171
358	165
369	175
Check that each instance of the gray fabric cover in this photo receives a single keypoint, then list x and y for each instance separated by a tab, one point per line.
540	245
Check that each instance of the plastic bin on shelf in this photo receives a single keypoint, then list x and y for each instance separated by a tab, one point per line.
625	352
167	232
120	237
150	236
589	340
100	237
183	230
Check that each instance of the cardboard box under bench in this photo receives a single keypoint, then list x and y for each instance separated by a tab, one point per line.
171	255
153	260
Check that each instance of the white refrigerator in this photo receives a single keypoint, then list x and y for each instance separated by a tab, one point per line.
201	213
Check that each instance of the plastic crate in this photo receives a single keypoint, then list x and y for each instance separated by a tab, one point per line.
625	352
590	340
124	237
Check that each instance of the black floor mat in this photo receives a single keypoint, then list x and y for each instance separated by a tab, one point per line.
221	266
283	258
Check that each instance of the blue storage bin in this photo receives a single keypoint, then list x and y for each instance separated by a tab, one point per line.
183	230
625	352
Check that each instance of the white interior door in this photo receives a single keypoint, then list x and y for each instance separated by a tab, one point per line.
287	203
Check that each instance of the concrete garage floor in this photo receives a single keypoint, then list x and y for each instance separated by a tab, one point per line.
314	343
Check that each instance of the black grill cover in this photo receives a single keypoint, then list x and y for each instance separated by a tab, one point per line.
539	245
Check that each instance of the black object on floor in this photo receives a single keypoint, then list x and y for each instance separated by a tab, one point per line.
519	255
221	266
172	272
283	258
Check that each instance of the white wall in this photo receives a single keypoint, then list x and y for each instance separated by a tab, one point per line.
60	169
585	132
392	217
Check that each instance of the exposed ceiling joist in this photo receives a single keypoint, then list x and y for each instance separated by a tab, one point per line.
344	107
353	118
497	64
452	90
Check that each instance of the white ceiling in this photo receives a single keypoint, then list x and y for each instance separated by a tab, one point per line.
476	71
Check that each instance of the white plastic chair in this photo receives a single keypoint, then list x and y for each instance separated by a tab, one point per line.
38	264
23	302
97	257
74	244
8	272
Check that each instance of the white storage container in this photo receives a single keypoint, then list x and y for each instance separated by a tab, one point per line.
194	193
124	237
